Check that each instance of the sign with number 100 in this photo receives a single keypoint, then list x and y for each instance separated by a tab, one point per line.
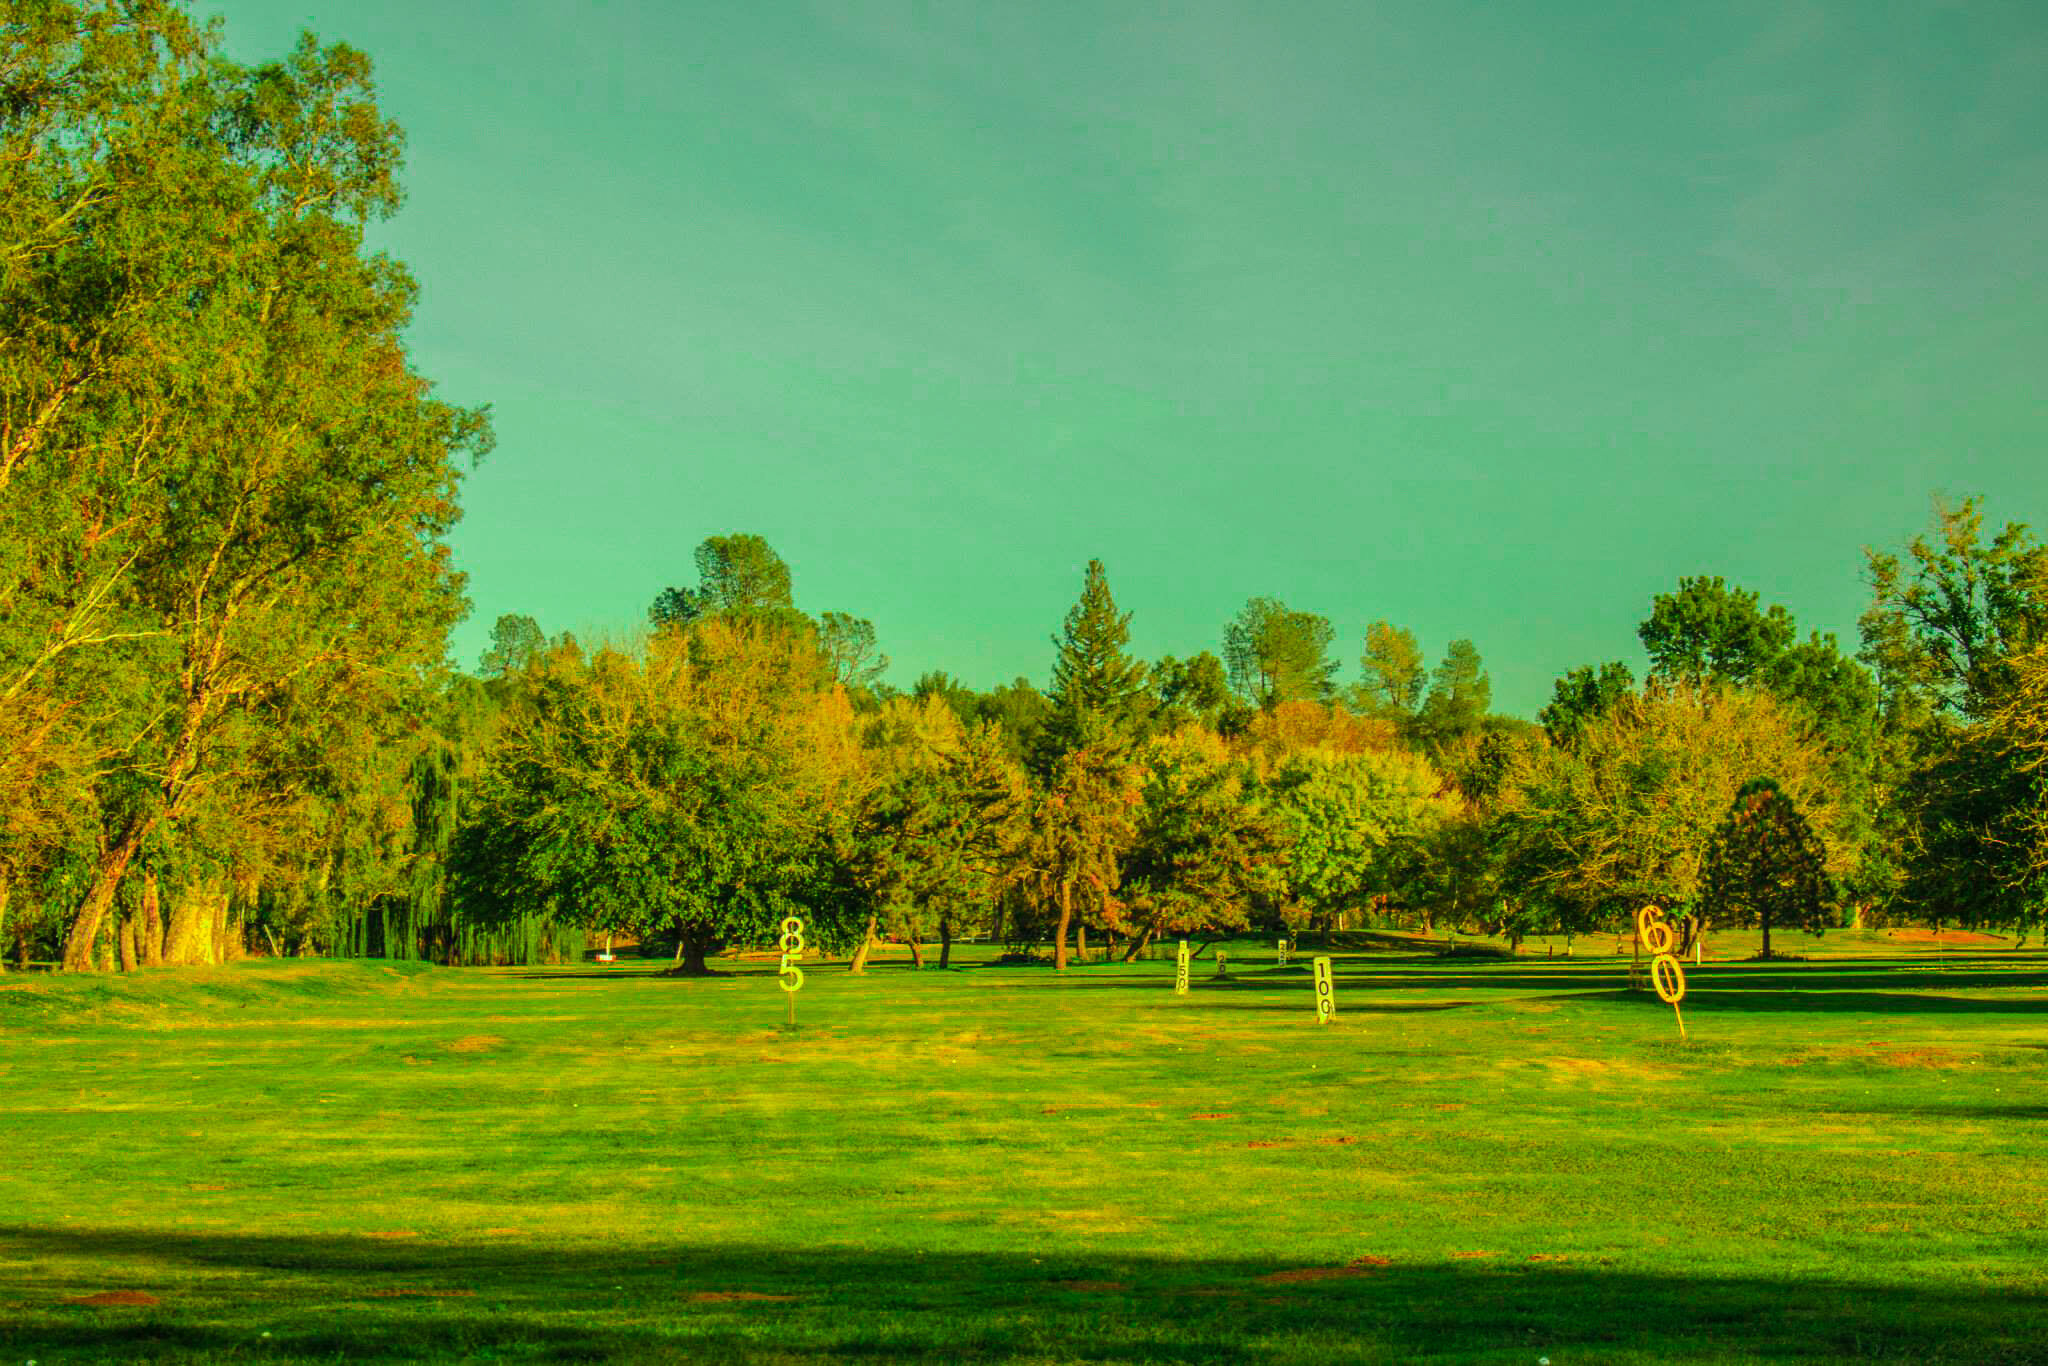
1326	993
1180	970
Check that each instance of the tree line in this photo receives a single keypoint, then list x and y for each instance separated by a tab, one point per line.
228	720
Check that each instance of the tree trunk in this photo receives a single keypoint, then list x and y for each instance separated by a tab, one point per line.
152	932
1767	936
1137	947
695	949
945	941
916	951
6	891
860	955
1059	951
188	941
127	933
1081	942
113	865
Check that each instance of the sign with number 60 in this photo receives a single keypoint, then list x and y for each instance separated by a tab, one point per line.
1667	974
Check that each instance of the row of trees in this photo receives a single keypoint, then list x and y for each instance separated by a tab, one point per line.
1754	777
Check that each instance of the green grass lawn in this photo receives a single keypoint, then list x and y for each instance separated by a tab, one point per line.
1481	1160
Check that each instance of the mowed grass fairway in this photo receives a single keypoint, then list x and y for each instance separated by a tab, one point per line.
1480	1161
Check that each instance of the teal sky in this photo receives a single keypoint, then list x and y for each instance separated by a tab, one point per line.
1489	319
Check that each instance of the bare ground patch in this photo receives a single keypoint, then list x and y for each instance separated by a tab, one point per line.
1916	935
475	1043
1358	1266
734	1297
109	1299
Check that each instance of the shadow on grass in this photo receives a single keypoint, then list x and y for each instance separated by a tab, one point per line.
1708	1000
358	1299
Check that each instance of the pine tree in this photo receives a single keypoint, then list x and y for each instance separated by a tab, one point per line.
1766	866
1099	696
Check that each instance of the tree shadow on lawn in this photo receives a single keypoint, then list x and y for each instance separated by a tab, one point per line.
358	1298
1995	1113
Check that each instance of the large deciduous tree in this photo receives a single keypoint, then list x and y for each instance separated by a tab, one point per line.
938	823
689	788
1206	850
1625	815
1957	635
222	486
1344	817
1077	831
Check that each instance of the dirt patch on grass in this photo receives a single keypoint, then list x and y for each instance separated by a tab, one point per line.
1921	1057
1467	1256
1334	1141
392	1233
504	1232
107	1299
734	1297
1358	1266
1213	1116
1548	1257
1093	1287
475	1043
1920	936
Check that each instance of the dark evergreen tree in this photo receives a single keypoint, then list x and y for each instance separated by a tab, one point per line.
1581	695
736	573
1766	867
1098	699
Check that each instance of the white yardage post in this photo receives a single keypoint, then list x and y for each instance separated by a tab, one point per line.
1326	996
1280	947
1222	958
1180	970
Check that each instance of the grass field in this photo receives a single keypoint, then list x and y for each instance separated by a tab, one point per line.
1481	1160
